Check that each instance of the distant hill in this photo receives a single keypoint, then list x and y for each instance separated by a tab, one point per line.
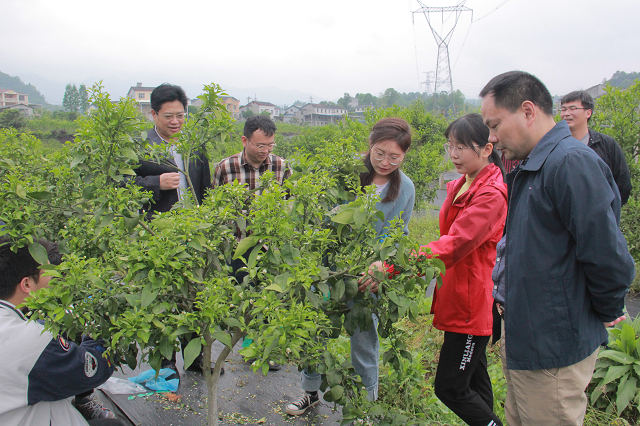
623	80
35	97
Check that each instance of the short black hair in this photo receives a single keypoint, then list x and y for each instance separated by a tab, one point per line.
167	93
14	266
512	88
579	95
261	122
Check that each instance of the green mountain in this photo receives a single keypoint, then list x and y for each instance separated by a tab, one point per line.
622	79
35	97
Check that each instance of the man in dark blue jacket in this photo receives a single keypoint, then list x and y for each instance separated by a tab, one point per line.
567	265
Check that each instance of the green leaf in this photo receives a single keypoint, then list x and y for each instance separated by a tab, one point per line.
290	254
615	372
20	191
626	392
312	298
282	280
129	153
337	290
38	252
617	356
438	263
223	338
300	209
628	338
384	252
132	299
245	245
127	171
192	351
376	410
148	295
39	195
333	377
253	257
131	222
324	288
77	159
351	288
232	322
399	419
89	192
359	218
334	394
345	216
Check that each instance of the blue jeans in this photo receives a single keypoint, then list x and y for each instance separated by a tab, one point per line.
365	354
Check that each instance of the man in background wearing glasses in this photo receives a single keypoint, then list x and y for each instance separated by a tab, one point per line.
247	166
256	157
576	110
168	105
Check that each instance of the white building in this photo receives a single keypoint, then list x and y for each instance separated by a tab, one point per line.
320	115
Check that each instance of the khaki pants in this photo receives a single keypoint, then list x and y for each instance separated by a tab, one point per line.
549	397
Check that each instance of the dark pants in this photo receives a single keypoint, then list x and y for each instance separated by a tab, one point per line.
462	380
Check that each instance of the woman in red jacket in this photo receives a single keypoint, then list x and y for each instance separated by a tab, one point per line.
471	222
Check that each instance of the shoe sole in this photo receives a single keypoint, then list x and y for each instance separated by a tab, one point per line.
300	412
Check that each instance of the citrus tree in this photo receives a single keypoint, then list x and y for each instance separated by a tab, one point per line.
141	285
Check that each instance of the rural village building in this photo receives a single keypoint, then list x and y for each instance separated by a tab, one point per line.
10	99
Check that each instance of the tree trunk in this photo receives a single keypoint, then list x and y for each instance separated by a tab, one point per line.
212	379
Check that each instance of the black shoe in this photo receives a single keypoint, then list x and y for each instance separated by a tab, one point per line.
274	366
302	404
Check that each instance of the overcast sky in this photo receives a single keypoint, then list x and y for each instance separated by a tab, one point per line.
288	50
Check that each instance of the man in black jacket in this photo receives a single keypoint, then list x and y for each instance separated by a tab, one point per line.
576	110
168	104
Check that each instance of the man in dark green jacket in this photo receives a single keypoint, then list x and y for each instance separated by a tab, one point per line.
567	265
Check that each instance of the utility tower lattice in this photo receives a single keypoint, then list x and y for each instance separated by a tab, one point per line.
443	81
427	82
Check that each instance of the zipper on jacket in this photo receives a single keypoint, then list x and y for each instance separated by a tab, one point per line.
504	256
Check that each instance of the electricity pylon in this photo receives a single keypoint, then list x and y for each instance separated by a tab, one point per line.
443	81
427	82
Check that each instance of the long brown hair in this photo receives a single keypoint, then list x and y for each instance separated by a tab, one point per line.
387	129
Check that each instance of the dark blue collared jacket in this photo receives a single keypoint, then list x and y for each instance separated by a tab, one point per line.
568	267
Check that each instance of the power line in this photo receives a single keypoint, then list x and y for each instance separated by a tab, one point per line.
496	8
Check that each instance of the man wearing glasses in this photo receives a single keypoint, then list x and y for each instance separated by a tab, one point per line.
168	104
247	167
576	110
256	157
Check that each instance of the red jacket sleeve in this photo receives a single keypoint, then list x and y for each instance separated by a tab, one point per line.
478	221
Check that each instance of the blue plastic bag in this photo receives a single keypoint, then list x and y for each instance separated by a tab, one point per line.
148	379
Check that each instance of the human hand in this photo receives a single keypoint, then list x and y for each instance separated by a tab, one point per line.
169	181
614	322
369	281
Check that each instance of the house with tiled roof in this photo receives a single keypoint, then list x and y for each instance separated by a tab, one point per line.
258	107
11	97
142	95
320	115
